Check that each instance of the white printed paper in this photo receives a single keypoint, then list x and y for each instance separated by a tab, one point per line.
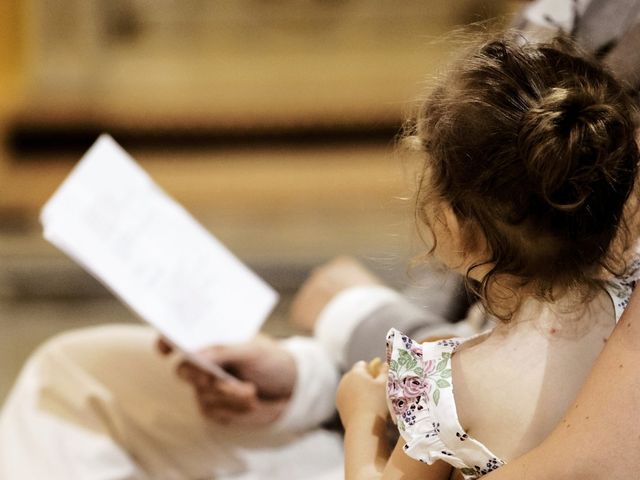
111	217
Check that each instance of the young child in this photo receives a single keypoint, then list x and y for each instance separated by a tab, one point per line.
528	189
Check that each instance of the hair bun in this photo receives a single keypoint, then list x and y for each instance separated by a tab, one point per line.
566	140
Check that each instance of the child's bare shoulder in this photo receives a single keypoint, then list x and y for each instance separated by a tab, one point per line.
514	387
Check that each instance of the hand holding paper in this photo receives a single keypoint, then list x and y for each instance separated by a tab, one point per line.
120	226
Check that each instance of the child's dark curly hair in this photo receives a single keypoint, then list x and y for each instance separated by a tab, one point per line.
533	147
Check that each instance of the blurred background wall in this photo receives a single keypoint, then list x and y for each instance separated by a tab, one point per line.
272	121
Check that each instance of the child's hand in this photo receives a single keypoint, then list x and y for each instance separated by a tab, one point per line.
361	394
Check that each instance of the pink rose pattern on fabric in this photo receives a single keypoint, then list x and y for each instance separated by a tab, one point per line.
394	388
411	377
400	406
414	386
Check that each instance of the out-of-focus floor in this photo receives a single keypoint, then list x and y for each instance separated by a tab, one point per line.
281	210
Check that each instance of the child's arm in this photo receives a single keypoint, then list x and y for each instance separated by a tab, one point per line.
361	402
362	405
366	448
402	467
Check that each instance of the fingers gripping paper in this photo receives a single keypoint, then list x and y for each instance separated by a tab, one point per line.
119	225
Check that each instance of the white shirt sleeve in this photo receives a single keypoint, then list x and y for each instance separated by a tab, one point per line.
344	312
318	360
313	398
559	12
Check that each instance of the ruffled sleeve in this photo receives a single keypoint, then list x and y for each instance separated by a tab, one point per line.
420	399
620	288
414	381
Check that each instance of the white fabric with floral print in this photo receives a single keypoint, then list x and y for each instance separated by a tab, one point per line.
420	396
421	401
620	288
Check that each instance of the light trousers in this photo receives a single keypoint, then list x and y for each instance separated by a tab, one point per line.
101	404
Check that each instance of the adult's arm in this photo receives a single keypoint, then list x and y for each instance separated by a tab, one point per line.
599	437
350	310
288	384
435	300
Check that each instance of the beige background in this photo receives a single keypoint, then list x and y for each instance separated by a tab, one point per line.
217	101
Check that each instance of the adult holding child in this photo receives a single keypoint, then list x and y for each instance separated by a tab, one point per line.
529	187
99	403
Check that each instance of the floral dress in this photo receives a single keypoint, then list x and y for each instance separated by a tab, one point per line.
421	402
420	396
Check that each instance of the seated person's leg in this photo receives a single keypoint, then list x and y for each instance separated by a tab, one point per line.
101	403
